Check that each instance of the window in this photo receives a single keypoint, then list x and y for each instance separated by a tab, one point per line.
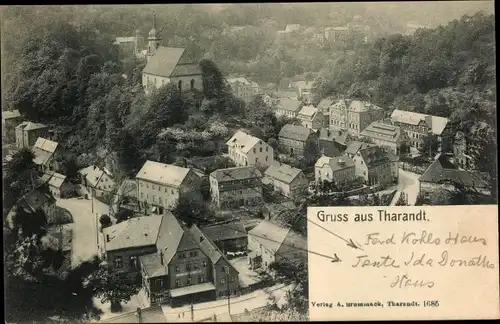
172	191
261	149
222	280
119	262
221	293
204	264
154	198
192	84
153	187
179	85
142	194
232	279
267	158
267	149
188	280
147	186
188	266
133	262
177	269
254	150
201	279
177	283
159	282
196	266
165	189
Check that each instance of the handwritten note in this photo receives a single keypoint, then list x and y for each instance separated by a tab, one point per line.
394	263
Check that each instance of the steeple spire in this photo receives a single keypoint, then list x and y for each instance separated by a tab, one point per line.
154	20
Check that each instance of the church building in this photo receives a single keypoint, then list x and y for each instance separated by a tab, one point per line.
169	65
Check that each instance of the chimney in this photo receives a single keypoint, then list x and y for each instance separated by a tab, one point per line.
107	237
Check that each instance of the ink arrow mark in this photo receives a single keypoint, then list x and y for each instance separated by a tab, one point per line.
349	242
335	258
353	245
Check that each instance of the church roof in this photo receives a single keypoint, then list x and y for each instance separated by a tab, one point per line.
171	61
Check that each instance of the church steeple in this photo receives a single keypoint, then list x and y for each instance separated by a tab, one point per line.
153	39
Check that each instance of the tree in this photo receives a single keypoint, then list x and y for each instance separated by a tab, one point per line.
294	272
191	210
112	287
105	221
214	83
429	145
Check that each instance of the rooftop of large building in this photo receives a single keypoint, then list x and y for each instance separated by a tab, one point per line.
166	174
435	123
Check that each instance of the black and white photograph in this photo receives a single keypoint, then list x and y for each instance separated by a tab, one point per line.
159	159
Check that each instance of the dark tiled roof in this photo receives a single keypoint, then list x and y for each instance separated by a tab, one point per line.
443	170
166	62
325	104
355	146
295	132
36	198
207	246
374	156
339	136
225	232
329	148
236	173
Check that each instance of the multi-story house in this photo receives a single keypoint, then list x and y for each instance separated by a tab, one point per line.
28	132
174	265
246	150
418	126
59	185
45	153
39	200
288	107
288	181
235	187
354	147
311	118
339	170
387	136
271	243
161	186
353	115
324	107
10	119
169	65
97	181
243	88
230	237
373	164
463	144
299	141
333	143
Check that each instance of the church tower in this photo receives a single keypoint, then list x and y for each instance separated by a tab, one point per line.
153	39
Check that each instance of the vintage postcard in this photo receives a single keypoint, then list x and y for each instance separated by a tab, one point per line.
159	161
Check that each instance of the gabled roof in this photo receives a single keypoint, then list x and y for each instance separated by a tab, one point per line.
435	123
94	174
324	104
225	232
382	131
282	172
41	157
133	232
241	81
361	106
308	111
292	27
236	173
289	104
31	126
373	156
442	170
153	314
339	136
243	141
207	246
270	235
165	61
167	174
355	146
304	84
335	163
46	145
8	114
295	132
54	179
36	199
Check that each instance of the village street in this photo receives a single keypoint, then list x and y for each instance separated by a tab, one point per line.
202	311
84	226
